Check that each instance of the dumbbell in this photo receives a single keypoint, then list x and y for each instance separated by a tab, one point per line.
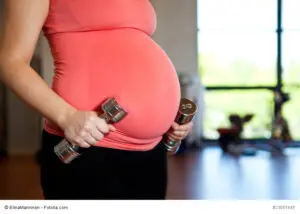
185	114
111	112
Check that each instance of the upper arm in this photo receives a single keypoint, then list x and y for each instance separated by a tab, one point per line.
23	21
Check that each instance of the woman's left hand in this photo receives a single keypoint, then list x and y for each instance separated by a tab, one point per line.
179	132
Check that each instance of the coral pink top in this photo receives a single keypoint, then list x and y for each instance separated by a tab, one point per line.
103	48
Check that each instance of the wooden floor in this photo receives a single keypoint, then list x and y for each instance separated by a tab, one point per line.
203	174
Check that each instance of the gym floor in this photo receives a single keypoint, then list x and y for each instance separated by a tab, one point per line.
206	174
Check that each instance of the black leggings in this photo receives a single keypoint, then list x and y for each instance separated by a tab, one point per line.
102	173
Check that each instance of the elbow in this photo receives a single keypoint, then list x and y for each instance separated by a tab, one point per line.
4	67
1	61
4	61
8	64
7	68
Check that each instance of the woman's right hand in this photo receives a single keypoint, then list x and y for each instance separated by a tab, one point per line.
85	128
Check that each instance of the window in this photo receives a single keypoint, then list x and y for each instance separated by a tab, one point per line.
220	104
291	63
237	15
290	57
237	47
237	58
290	15
291	111
245	54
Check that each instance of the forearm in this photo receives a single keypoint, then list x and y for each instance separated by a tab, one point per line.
35	92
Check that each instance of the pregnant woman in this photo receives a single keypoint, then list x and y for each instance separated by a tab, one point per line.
101	49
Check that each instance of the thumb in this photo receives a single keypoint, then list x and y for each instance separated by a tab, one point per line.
112	128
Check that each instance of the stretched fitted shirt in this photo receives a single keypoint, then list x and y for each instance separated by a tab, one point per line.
103	48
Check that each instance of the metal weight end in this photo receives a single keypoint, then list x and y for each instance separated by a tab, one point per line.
113	110
186	112
172	147
66	152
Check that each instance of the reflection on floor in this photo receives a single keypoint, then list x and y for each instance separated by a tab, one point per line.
19	179
211	175
195	175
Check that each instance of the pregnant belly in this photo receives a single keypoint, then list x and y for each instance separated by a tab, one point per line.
126	64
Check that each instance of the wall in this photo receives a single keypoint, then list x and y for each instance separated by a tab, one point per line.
47	61
177	32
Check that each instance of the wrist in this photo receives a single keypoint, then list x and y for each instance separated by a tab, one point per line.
63	117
